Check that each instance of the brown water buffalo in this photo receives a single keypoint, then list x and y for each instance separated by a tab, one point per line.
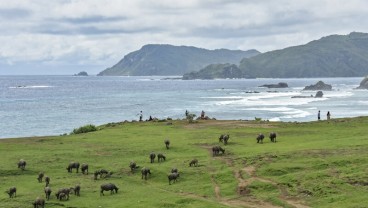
108	187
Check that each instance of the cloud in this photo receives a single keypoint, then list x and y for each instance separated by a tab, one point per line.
99	33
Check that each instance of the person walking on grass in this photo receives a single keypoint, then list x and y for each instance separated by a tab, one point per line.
319	115
328	115
141	116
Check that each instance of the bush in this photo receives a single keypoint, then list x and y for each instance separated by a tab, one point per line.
190	117
85	129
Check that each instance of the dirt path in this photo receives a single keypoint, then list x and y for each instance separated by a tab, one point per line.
250	170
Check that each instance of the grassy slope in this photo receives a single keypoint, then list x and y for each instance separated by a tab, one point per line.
315	164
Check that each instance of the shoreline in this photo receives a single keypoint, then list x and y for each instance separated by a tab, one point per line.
183	120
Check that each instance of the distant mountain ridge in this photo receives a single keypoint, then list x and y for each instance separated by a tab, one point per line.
331	56
157	59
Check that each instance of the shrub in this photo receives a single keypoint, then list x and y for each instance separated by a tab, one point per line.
85	129
190	117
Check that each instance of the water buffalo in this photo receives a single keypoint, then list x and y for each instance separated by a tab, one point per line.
63	196
133	166
103	173
22	164
47	192
273	136
167	143
216	150
152	156
108	187
160	157
47	180
174	170
12	192
40	176
63	192
39	203
76	189
260	138
84	168
73	165
193	162
224	138
172	177
145	171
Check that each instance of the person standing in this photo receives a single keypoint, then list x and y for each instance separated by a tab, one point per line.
328	115
319	115
141	116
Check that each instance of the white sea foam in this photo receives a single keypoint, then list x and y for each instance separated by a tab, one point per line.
31	86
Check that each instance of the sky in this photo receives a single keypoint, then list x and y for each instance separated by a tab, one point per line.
62	37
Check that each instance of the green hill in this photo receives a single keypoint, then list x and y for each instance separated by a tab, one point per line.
214	71
312	164
331	56
172	60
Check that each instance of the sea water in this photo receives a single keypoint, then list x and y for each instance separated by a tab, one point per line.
53	105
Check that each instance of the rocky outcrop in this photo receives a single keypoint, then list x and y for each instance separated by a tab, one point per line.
319	94
279	85
363	84
82	73
319	86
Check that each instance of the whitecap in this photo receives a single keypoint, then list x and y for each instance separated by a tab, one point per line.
31	86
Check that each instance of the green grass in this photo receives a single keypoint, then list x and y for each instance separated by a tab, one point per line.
317	164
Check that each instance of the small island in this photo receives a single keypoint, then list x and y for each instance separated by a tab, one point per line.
319	86
82	73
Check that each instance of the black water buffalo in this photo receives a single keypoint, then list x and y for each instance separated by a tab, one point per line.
47	180
172	177
216	150
39	203
64	192
84	168
224	138
47	192
40	177
273	136
103	173
167	143
76	189
160	157
108	187
145	171
22	164
260	138
12	192
193	162
133	166
152	156
174	170
73	165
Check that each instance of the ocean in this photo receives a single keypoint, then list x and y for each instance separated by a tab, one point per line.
54	105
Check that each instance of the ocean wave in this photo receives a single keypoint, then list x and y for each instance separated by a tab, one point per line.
30	86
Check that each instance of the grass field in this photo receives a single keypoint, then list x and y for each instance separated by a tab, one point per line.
313	164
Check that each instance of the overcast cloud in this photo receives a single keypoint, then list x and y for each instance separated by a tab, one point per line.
68	36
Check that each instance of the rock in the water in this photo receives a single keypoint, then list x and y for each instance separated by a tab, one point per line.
319	94
279	85
319	86
363	84
82	73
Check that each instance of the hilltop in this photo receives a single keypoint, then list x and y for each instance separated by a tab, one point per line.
155	59
331	56
312	164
